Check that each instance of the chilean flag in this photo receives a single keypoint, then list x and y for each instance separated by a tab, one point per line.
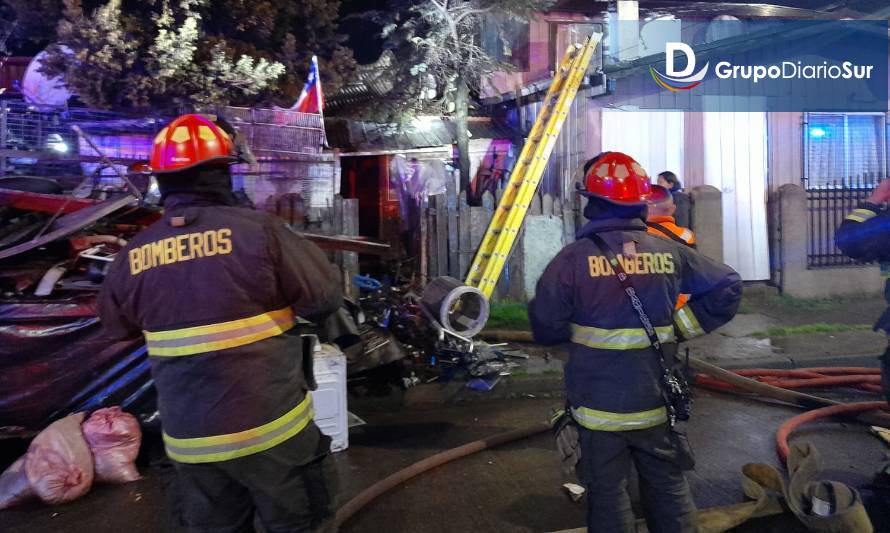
311	100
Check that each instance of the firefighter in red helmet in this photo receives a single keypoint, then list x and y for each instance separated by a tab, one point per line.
216	290
611	294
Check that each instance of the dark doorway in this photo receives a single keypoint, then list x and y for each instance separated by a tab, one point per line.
361	178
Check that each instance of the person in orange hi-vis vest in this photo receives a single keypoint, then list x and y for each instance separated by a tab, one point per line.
660	220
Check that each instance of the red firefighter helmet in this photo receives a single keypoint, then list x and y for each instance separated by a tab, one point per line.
189	141
618	178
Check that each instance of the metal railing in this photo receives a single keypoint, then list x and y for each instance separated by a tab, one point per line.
277	131
827	206
42	142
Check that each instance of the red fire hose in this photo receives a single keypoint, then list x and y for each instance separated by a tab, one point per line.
809	416
868	379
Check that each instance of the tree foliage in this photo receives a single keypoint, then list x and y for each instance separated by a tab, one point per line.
441	57
167	54
29	24
439	43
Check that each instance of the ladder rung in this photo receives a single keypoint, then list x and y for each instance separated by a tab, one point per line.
501	234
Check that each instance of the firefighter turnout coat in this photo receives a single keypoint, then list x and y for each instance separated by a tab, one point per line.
865	235
613	376
215	289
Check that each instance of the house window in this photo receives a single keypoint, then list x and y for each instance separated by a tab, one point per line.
506	39
844	149
564	34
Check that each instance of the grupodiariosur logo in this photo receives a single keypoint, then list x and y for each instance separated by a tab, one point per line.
678	80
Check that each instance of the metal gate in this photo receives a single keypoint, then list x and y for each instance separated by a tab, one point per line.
827	205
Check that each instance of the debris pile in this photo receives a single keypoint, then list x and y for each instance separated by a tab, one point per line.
55	249
409	319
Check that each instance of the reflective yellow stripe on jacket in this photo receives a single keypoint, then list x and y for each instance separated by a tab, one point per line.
606	421
248	442
688	324
861	215
213	337
618	339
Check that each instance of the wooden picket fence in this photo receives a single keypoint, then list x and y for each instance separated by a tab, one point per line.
451	231
340	218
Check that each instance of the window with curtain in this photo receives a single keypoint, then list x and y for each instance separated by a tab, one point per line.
844	149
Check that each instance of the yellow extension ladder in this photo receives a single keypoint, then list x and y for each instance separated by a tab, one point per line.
526	176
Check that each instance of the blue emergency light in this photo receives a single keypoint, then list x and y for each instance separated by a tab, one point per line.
817	132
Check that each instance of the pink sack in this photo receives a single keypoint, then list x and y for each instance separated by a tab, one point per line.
59	464
114	438
14	486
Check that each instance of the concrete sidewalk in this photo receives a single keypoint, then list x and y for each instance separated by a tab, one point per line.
775	331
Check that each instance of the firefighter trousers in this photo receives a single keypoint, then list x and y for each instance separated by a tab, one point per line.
605	470
288	488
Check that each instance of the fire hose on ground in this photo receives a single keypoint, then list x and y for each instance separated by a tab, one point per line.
774	384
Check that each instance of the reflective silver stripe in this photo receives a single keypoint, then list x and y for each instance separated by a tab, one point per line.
861	215
688	323
224	447
214	337
618	339
607	421
221	336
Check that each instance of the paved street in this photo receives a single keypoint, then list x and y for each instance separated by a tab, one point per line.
513	488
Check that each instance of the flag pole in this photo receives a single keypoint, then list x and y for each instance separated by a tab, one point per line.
320	101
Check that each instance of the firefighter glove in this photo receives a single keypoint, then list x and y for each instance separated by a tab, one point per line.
568	441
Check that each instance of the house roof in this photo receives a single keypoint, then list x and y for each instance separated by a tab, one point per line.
424	132
368	82
594	81
788	9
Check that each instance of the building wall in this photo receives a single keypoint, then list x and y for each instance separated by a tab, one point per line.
579	140
539	54
784	144
315	178
653	138
583	136
693	150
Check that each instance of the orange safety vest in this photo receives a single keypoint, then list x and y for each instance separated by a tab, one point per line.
684	234
668	223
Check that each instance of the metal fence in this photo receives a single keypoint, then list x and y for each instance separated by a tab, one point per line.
827	206
277	131
40	142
